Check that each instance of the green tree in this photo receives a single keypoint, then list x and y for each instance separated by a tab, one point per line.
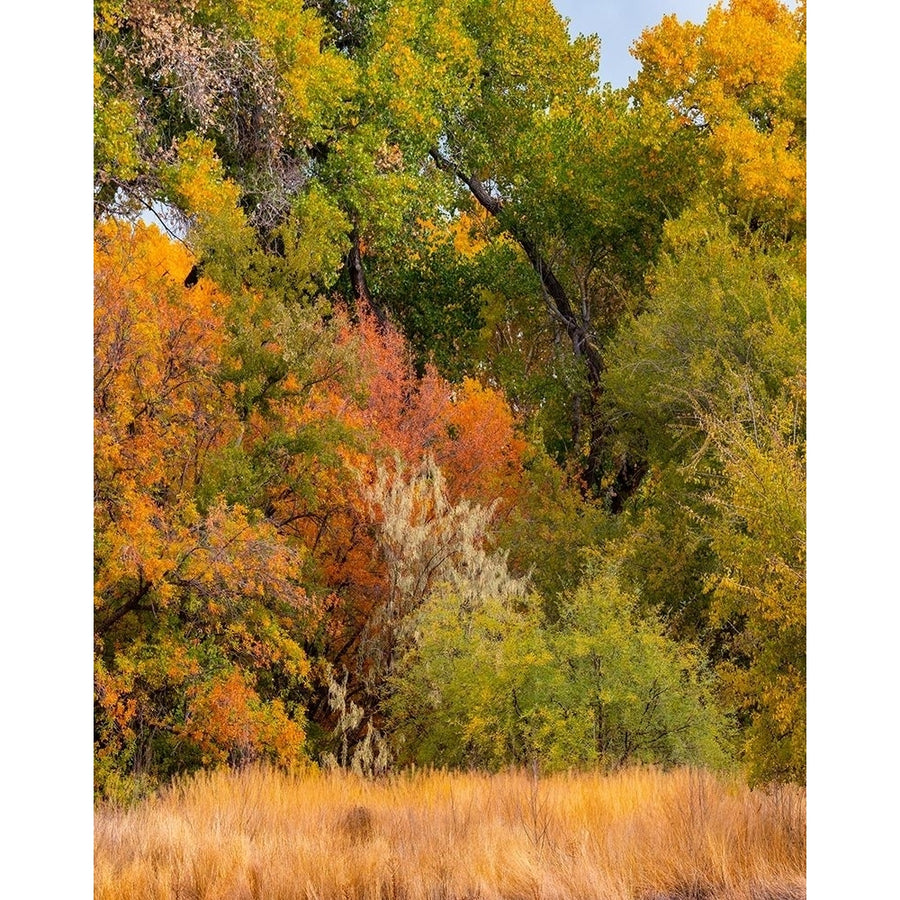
759	587
710	379
492	683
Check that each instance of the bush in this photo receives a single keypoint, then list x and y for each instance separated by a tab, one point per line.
492	684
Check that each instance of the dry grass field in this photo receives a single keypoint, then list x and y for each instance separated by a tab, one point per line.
640	834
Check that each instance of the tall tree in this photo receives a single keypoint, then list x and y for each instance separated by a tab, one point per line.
740	81
201	617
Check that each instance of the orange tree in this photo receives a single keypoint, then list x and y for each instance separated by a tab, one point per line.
388	416
199	608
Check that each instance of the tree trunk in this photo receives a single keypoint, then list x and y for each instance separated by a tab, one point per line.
629	472
358	281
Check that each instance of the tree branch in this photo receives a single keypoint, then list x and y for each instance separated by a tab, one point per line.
562	307
630	472
358	277
132	605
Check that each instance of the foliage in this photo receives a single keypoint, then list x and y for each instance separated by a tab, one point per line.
434	294
711	378
492	684
723	321
551	528
230	472
759	590
200	612
741	79
440	320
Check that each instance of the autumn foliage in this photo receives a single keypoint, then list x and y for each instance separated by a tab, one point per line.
740	78
207	608
199	604
453	411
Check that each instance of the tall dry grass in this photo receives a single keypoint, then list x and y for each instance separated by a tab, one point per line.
641	834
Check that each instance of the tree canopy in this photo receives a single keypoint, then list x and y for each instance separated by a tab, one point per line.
452	410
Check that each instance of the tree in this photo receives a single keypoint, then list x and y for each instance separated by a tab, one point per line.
200	612
724	317
300	149
759	588
411	285
490	683
740	80
711	379
462	446
206	113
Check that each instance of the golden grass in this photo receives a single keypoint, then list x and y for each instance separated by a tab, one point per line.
637	835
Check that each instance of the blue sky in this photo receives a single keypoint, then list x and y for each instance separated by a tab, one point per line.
619	22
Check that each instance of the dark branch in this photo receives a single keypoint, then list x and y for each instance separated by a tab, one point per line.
357	272
132	605
630	472
562	307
